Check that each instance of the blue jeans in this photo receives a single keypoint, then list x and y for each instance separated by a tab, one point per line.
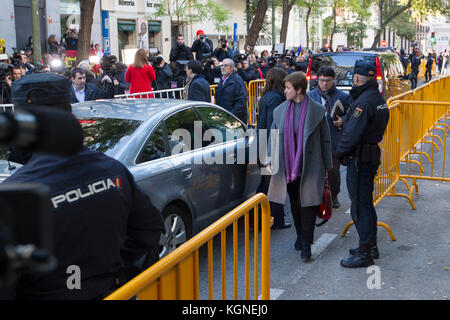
360	187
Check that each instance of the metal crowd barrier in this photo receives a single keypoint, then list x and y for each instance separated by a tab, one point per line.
254	91
175	93
176	276
255	88
416	117
5	107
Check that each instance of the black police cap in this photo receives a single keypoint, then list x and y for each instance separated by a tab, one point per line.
40	89
364	68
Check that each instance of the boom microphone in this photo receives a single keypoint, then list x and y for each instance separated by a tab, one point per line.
41	129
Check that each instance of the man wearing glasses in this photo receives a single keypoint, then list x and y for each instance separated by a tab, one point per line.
327	94
231	93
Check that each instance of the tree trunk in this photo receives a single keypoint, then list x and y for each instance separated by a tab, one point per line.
84	37
384	23
308	14
256	25
333	31
287	7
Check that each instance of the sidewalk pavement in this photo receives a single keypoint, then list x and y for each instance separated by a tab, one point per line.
415	266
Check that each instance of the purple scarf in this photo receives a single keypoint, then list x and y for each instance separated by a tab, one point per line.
293	158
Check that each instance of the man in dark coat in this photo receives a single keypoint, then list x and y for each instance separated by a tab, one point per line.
246	71
415	63
327	95
199	89
81	91
428	67
231	93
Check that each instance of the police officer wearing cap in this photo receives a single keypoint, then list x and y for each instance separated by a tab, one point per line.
38	89
106	229
363	128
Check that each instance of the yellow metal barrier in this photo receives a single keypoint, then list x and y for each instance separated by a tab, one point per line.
212	89
255	89
415	118
176	276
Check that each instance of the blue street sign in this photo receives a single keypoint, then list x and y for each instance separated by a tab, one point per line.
105	33
235	44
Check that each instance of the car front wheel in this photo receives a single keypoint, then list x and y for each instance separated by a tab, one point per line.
177	230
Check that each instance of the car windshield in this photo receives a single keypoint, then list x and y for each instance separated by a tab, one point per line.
342	64
107	135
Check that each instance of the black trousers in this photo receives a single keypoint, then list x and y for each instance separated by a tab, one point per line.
304	217
334	178
428	74
360	184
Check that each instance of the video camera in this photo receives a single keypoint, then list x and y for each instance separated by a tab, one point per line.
26	219
239	57
108	64
5	70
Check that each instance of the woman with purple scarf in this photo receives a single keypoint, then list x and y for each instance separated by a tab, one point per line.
299	158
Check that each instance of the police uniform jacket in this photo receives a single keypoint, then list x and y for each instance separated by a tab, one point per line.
365	122
100	217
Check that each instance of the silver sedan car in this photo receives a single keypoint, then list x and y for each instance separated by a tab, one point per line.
192	176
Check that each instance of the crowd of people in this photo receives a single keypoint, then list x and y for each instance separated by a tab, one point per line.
312	144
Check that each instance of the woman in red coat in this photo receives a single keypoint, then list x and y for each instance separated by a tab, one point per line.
140	74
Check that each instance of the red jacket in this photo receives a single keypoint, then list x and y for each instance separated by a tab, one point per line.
140	79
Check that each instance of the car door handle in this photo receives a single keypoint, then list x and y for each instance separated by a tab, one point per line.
187	173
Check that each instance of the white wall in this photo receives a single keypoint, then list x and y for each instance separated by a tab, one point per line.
7	25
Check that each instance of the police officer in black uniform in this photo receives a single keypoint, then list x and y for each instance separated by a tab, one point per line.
106	229
363	128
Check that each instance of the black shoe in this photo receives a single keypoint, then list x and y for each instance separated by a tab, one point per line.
306	253
298	245
335	204
374	253
360	260
282	226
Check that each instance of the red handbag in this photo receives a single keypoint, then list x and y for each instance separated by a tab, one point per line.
324	211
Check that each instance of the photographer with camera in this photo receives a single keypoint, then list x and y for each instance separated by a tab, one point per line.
211	71
110	232
202	46
14	75
180	53
163	75
300	63
120	85
223	51
6	81
109	78
246	70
